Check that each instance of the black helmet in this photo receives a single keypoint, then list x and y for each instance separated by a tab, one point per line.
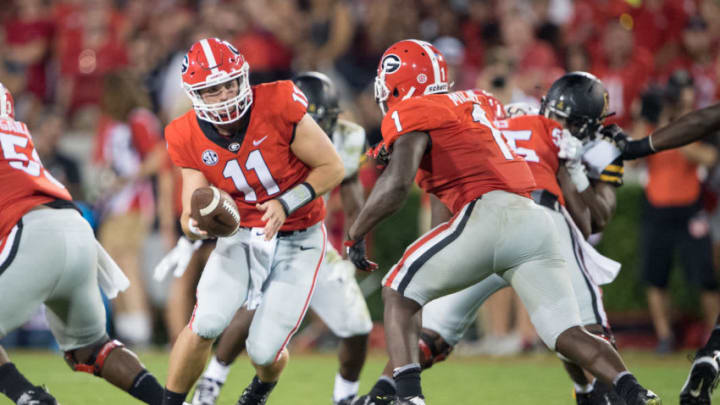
581	99
322	97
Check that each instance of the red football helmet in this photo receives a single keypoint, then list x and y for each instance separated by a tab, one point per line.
7	105
210	62
409	68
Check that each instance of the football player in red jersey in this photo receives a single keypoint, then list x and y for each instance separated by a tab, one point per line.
38	216
337	300
259	145
447	143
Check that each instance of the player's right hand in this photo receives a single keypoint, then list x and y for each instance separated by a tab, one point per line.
195	230
357	255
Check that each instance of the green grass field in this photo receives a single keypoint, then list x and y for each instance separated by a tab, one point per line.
535	379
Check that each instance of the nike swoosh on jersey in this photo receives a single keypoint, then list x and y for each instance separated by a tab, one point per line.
306	247
696	392
259	141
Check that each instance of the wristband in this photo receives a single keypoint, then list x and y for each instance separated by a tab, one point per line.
640	148
296	197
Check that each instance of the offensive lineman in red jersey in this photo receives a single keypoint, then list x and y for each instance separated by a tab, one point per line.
37	215
258	144
461	158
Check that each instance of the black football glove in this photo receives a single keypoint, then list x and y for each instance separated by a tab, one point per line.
630	149
356	253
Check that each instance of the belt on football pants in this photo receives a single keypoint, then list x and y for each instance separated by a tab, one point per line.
283	234
546	199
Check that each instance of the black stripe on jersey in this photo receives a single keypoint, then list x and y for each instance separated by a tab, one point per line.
415	266
224	142
583	271
13	249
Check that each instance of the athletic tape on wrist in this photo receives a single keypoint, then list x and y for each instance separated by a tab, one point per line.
296	197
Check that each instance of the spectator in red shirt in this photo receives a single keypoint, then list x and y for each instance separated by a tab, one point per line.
624	68
700	59
535	60
90	45
658	25
129	150
28	37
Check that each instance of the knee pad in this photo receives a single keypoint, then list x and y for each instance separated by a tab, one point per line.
96	360
209	325
262	354
433	349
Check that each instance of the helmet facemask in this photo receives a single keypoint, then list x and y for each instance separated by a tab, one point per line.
227	111
382	93
580	126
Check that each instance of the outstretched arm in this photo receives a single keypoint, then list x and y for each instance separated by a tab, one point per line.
686	129
393	185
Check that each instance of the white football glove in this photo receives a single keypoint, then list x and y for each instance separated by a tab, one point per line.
571	148
577	175
176	259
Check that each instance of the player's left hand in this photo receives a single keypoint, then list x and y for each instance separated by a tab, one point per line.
274	217
356	253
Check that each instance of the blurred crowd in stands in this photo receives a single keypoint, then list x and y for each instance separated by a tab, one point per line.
96	80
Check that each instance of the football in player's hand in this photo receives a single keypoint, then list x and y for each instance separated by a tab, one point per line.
215	211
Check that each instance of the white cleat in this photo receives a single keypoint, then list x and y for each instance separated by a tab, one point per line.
207	392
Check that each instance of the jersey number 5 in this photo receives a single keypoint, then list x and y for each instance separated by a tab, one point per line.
20	161
254	162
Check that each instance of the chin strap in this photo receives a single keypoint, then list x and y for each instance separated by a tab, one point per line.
95	362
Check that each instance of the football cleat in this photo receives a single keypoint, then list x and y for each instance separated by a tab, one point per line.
36	396
600	395
416	400
702	380
207	392
251	397
345	401
372	400
645	397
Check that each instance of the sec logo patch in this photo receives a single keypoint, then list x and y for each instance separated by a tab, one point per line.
209	157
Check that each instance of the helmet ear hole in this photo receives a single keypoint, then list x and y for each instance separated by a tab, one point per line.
396	93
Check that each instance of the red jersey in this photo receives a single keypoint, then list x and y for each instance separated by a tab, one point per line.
536	138
25	182
467	155
254	166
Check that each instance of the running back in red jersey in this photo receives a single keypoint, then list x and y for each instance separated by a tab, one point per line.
468	155
25	182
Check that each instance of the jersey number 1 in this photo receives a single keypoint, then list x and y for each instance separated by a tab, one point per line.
255	162
478	115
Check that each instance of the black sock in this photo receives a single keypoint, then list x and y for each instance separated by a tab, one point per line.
713	343
407	382
173	398
12	383
146	388
627	386
260	388
384	387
